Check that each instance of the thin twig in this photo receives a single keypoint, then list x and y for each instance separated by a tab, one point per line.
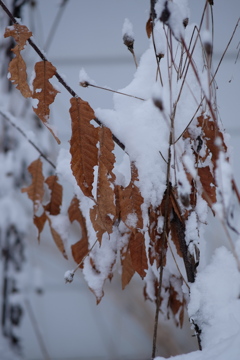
230	40
87	84
174	258
55	23
37	330
30	141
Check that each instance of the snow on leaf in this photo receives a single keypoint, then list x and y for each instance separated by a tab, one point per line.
17	66
138	253
20	33
53	207
208	184
103	214
130	200
44	92
127	268
83	145
35	191
80	248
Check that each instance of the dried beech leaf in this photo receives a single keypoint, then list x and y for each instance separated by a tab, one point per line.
57	238
130	200
103	215
127	269
100	224
176	306
149	27
208	184
20	33
211	132
17	69
157	243
138	253
44	92
53	207
39	222
83	145
17	66
80	248
35	191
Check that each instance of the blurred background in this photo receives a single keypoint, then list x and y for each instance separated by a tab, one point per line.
61	321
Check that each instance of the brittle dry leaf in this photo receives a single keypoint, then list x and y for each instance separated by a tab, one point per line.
83	145
44	92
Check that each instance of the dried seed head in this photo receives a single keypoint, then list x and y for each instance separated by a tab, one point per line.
68	276
185	22
208	48
84	83
158	103
128	41
165	15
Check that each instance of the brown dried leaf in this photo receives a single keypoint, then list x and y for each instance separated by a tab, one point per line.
80	248
57	238
211	132
39	222
35	191
127	269
20	33
157	244
130	200
53	207
138	253
208	184
176	305
149	26
103	215
17	66
44	92
17	69
83	145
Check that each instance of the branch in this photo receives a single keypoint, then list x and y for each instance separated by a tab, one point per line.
57	75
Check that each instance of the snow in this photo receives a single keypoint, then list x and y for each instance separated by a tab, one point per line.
215	307
127	29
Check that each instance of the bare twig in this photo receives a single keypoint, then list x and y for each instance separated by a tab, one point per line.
7	118
55	23
228	44
37	330
87	84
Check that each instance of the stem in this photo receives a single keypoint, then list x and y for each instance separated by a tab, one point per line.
86	84
37	330
30	141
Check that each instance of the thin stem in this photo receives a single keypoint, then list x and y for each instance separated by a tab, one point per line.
55	23
30	141
230	40
37	330
87	84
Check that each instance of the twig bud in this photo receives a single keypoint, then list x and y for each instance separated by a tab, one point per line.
68	276
84	83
